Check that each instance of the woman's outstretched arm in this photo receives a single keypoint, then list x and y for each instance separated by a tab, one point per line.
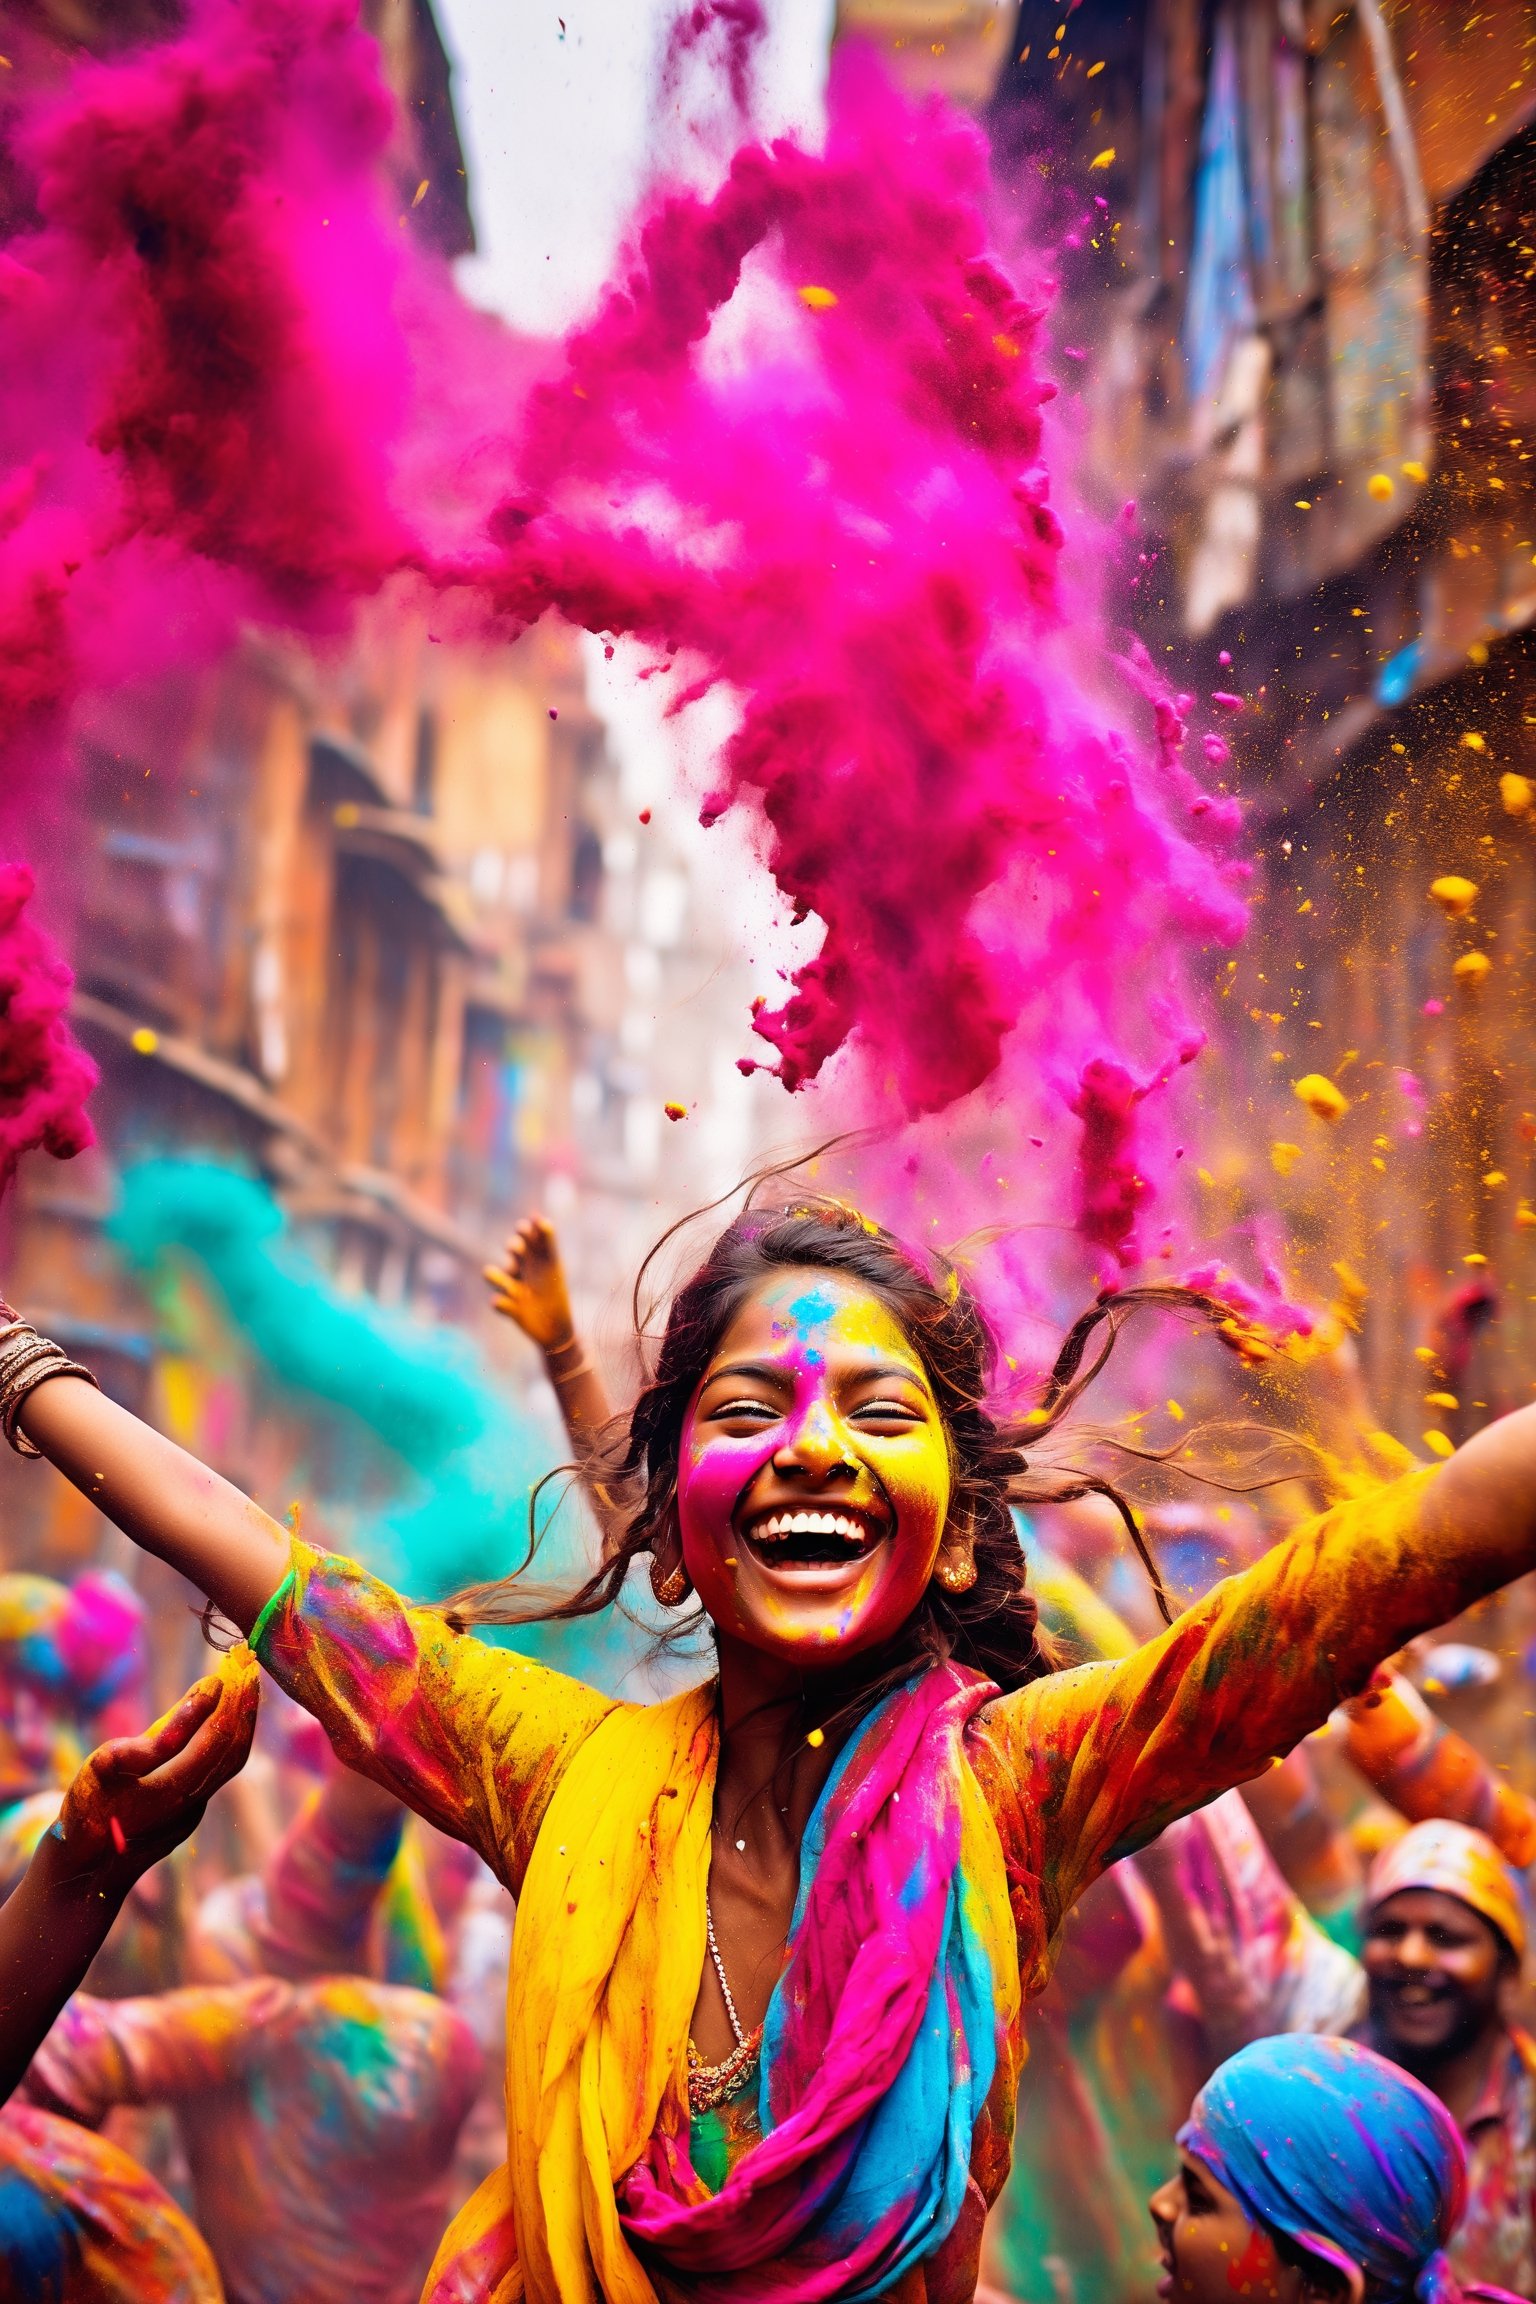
472	1737
1480	1507
160	1497
1110	1753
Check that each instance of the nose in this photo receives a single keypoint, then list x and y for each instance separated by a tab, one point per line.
817	1445
1414	1950
1164	2205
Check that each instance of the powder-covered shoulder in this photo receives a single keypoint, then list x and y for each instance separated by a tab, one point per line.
472	1737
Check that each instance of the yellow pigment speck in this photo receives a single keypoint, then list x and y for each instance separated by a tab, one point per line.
1321	1098
1453	894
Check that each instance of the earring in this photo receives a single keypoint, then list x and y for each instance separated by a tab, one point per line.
956	1571
669	1589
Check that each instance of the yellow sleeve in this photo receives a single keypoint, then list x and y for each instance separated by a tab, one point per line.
472	1737
1106	1755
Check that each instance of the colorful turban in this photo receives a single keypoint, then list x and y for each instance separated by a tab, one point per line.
1328	2145
1455	1861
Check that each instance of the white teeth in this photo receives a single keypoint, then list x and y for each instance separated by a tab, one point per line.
780	1524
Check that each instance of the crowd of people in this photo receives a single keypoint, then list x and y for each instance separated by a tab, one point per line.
962	1927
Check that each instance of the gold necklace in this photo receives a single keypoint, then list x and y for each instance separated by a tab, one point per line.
712	2084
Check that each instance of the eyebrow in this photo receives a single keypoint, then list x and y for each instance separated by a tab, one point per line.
763	1370
769	1372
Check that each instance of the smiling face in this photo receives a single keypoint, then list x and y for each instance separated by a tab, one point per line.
1436	1971
1211	2252
813	1476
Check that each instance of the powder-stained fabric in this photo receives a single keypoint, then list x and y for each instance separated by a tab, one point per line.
319	2121
1076	1770
82	2223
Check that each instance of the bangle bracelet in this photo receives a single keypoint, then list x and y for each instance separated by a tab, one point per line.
27	1360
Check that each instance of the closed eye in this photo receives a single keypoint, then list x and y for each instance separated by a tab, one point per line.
754	1411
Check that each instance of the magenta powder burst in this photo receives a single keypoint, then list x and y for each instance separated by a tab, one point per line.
799	449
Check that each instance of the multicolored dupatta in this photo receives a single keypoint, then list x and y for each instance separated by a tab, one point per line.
879	2050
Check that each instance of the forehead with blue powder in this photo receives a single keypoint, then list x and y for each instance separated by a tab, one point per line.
813	1309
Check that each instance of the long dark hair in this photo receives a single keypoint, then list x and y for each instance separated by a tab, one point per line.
994	1459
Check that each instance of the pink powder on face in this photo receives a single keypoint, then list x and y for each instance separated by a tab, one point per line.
799	450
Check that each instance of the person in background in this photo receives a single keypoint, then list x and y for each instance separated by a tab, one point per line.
343	1893
319	2105
1426	1769
1314	2172
80	2221
1444	1939
319	2121
529	1288
72	1665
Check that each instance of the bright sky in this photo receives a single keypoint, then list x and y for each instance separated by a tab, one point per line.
564	125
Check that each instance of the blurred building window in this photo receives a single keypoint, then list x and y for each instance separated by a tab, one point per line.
586	874
424	769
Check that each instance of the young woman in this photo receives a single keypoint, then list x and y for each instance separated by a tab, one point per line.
1314	2172
774	1934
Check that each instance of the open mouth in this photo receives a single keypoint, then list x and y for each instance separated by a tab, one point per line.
801	1538
1416	1998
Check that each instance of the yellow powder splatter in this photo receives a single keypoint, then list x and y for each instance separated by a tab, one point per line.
1437	1444
819	299
1472	967
1516	794
1283	1157
1453	894
1321	1098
